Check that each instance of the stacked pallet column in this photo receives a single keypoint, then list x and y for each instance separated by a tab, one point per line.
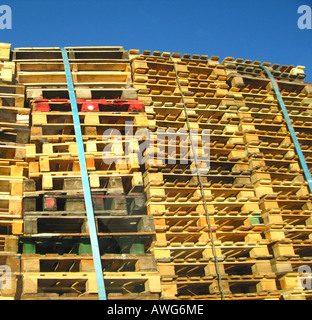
56	251
297	96
14	122
183	248
285	199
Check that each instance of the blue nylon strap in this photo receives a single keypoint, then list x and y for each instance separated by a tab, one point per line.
290	128
85	180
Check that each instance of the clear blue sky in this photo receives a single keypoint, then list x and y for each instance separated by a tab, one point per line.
263	30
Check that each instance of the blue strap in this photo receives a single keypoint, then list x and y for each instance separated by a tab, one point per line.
290	128
85	180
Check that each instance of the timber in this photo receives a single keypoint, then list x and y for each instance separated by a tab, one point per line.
232	221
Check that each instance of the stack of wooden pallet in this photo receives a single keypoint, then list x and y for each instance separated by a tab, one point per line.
56	255
197	190
98	72
285	199
14	127
253	189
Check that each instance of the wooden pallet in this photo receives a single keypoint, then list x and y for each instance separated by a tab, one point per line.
261	296
14	118
81	283
126	265
5	51
11	225
202	286
7	71
15	134
12	95
9	244
292	289
109	244
115	119
93	148
83	263
11	185
171	112
111	54
57	182
109	183
108	91
58	203
11	205
10	268
48	66
58	78
93	125
12	154
72	223
250	68
99	153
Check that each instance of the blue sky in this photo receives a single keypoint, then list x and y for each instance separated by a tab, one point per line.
263	30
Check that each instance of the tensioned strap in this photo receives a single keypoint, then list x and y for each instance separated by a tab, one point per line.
290	128
85	180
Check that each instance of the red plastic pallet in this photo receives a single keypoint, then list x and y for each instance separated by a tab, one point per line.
117	105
